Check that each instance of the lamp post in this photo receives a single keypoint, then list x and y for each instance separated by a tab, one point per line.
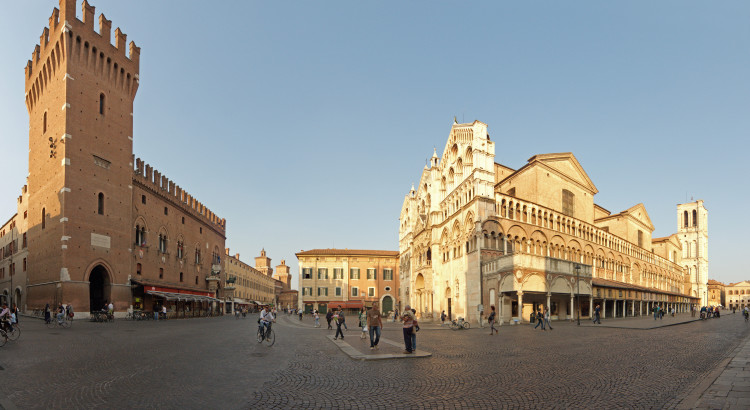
577	267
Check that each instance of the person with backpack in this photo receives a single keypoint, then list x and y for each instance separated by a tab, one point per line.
329	316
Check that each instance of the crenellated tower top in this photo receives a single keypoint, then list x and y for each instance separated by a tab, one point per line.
68	38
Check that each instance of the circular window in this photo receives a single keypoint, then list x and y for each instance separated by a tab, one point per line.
387	288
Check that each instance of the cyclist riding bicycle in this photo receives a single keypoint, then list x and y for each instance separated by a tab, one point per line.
5	318
746	312
266	318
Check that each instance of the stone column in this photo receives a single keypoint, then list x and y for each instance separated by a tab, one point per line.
614	308
520	306
640	308
591	305
604	308
549	294
572	307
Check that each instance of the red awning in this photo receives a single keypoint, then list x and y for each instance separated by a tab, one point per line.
352	304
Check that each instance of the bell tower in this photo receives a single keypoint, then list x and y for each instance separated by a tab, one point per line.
692	230
80	85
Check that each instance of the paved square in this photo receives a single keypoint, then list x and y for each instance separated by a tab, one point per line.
216	363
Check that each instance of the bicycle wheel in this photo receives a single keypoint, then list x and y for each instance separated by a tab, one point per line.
51	324
3	338
270	337
454	326
67	322
466	325
260	336
15	333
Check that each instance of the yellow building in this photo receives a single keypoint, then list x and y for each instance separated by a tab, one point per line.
249	286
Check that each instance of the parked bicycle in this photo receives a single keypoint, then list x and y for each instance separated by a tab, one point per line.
3	338
268	336
101	316
459	324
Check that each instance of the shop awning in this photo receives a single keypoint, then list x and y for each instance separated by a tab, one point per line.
182	296
352	304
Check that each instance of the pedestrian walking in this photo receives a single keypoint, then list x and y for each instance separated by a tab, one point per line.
16	313
329	316
546	318
363	322
300	315
316	316
47	314
442	318
339	316
597	317
374	324
408	319
539	318
491	319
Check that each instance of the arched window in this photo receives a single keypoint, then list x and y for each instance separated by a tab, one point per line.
138	268
44	123
161	273
181	277
685	219
44	223
100	207
180	249
695	217
101	103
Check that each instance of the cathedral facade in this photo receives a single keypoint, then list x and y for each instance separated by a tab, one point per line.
475	234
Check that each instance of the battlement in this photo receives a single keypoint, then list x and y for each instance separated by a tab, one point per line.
70	40
161	185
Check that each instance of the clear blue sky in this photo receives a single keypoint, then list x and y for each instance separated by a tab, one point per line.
305	123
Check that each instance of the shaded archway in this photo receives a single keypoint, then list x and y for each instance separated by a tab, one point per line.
99	288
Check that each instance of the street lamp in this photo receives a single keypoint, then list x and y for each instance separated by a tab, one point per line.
577	267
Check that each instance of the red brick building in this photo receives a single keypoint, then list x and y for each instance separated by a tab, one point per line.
101	225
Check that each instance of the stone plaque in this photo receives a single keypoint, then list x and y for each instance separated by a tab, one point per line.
102	241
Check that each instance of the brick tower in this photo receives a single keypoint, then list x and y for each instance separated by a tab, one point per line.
79	96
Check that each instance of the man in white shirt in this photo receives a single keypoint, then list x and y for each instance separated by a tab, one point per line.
266	317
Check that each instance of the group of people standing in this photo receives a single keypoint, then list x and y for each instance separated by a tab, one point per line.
62	311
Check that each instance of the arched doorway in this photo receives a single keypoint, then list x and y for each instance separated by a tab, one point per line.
99	288
419	292
387	305
17	298
448	301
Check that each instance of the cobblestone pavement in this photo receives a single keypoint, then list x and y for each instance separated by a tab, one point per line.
216	363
